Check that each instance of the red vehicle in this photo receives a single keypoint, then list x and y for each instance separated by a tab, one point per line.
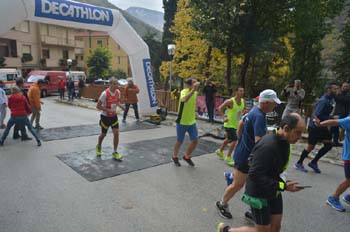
51	79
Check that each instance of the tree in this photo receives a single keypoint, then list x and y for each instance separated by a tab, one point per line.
170	7
119	74
99	62
154	48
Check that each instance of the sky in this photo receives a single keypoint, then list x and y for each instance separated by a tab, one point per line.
149	4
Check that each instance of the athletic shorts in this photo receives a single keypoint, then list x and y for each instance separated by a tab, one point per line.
106	122
274	207
347	170
318	134
231	134
182	129
242	167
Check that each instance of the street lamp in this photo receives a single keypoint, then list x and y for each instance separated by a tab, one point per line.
171	52
69	64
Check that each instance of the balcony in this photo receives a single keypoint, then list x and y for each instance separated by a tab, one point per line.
13	62
50	40
52	63
79	44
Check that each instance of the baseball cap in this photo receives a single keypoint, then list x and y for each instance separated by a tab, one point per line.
269	95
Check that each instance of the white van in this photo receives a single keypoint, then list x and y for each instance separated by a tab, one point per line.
9	76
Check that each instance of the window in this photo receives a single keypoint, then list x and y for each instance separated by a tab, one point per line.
4	50
46	53
118	46
99	43
81	57
65	55
26	49
24	26
118	59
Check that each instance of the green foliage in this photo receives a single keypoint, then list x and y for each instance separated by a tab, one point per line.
170	7
26	57
99	62
119	74
154	48
2	62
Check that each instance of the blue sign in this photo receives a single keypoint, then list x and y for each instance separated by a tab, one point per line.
73	11
150	82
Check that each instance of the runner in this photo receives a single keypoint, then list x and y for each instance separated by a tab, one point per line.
234	109
108	102
333	200
269	158
253	129
322	110
186	121
20	109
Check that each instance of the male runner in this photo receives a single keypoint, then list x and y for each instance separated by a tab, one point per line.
108	102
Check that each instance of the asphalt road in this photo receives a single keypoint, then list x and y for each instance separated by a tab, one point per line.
39	193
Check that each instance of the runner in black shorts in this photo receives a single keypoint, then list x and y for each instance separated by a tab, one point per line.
322	111
106	122
269	158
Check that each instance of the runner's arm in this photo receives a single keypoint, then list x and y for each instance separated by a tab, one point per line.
222	108
189	95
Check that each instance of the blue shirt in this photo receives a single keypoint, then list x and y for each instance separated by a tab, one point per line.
345	124
322	110
254	125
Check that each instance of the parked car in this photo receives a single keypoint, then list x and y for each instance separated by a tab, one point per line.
76	75
101	82
50	78
9	76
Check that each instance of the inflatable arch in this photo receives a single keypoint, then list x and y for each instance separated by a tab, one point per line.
84	16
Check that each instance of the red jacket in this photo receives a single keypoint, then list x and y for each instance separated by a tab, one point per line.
61	84
18	105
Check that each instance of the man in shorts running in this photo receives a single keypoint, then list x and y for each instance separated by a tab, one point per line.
333	200
253	130
234	108
269	158
186	121
107	103
322	111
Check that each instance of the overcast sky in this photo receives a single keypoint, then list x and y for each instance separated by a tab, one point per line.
149	4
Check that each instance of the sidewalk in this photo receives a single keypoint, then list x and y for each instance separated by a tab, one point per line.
204	127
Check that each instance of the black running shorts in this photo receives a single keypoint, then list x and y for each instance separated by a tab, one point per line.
106	122
231	134
347	170
318	134
244	167
274	207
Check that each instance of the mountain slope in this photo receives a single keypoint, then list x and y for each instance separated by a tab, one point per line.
151	17
140	27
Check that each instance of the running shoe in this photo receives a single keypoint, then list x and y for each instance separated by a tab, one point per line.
38	143
117	156
223	210
188	160
335	203
229	161
300	167
1	143
346	199
222	227
249	216
176	161
314	167
228	177
220	154
98	151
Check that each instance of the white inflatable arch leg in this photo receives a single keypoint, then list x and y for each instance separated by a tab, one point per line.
84	16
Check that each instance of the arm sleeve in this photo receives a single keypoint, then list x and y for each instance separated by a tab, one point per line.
319	110
345	123
137	90
263	159
260	126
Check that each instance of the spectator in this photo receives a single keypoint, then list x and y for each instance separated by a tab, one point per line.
70	89
81	85
19	110
342	106
61	87
35	103
16	135
295	95
209	92
3	105
130	98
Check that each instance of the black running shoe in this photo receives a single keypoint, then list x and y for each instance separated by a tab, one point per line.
249	216
223	210
16	136
176	161
189	161
38	143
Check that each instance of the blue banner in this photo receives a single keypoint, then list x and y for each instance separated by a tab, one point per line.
73	11
150	82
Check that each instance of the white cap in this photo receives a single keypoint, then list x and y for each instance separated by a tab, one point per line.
268	95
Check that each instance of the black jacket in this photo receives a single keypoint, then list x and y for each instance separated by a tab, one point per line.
342	105
268	160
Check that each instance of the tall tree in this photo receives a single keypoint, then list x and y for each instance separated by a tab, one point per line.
99	62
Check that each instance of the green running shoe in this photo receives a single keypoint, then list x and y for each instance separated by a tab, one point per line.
117	156
98	151
229	161
220	154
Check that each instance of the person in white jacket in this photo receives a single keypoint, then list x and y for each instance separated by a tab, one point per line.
3	105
